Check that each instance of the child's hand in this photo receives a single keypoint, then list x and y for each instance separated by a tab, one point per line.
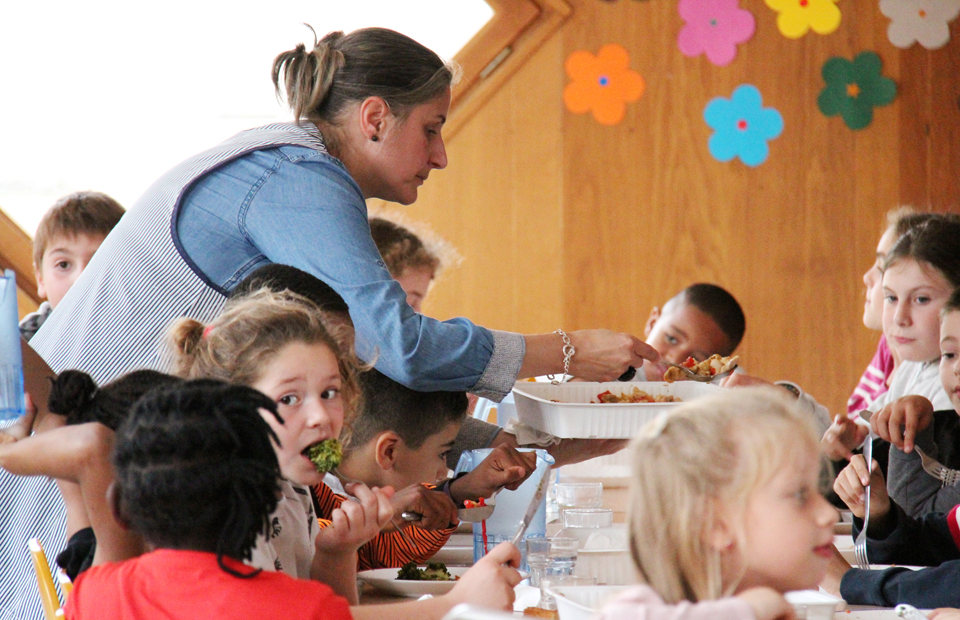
842	437
23	426
356	522
768	604
912	414
944	613
438	511
851	482
491	580
505	467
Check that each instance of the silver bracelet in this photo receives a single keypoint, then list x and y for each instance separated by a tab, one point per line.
568	352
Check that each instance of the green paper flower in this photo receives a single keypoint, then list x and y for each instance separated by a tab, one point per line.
855	88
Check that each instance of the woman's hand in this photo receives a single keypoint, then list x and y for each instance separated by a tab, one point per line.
505	467
438	511
944	613
356	522
900	421
601	354
768	604
491	580
568	451
842	437
604	355
852	481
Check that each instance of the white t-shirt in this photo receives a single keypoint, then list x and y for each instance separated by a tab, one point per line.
291	544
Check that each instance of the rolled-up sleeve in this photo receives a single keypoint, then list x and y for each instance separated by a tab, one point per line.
308	212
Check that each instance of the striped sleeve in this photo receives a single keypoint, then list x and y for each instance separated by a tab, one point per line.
388	549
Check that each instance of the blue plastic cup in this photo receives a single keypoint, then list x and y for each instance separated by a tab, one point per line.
511	506
12	405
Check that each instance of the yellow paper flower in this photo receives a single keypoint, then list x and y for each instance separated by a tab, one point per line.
796	17
603	84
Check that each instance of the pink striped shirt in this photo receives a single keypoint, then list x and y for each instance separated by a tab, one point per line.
873	383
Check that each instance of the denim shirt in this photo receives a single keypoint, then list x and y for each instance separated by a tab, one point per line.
299	206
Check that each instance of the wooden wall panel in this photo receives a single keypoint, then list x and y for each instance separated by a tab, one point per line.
499	203
565	222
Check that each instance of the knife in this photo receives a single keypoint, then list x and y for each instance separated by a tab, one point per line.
532	508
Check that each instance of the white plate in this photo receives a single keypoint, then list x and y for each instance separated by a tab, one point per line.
385	579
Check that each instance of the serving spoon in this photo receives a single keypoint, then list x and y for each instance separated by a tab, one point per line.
689	374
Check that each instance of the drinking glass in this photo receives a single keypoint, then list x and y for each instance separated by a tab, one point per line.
11	363
578	495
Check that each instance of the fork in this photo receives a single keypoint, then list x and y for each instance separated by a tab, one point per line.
949	477
406	516
860	544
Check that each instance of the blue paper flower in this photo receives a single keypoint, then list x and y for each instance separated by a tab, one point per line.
742	126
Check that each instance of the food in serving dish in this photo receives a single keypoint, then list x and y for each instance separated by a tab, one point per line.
325	455
713	365
435	571
636	396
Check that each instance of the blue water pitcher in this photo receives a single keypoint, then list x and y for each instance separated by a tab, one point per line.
511	506
11	362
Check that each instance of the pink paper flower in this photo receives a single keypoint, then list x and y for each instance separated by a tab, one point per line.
714	28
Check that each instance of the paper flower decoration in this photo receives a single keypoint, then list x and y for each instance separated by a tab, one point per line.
742	126
796	17
920	20
603	84
714	28
854	88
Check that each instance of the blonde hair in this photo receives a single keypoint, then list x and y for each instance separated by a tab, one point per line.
239	344
705	456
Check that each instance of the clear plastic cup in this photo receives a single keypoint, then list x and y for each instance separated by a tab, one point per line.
578	495
547	599
11	363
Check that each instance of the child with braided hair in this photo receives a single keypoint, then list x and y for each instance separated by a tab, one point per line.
76	452
197	476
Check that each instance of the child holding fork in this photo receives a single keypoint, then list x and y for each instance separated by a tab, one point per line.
197	475
894	537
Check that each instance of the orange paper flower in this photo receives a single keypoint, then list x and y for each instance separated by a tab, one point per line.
602	84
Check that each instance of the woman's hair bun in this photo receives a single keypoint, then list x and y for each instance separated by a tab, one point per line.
71	393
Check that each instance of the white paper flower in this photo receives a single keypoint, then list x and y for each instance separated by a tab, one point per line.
920	20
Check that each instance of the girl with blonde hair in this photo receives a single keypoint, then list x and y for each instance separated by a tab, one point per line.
725	511
280	344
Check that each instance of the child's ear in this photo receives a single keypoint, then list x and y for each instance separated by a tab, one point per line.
387	450
41	290
651	321
721	536
115	501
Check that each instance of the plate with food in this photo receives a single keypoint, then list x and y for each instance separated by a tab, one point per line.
614	410
414	581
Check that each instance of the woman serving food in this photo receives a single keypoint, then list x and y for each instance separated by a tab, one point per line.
370	108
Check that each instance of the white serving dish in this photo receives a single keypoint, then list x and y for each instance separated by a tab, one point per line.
385	579
574	416
582	602
813	605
